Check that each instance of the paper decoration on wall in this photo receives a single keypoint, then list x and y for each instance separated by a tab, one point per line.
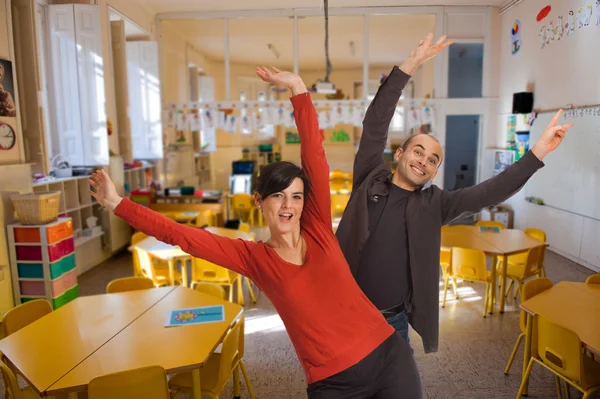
511	131
195	122
182	121
559	28
584	16
291	122
597	12
542	36
7	89
570	24
580	113
549	33
543	13
414	118
340	136
230	124
521	144
259	121
502	160
208	120
515	37
246	125
292	137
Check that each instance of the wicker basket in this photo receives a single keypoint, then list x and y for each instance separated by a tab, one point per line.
37	208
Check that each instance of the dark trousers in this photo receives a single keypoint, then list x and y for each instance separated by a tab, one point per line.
389	372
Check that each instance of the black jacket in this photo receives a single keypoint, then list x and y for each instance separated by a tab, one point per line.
426	212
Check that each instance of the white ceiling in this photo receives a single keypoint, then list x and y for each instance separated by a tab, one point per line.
391	39
166	6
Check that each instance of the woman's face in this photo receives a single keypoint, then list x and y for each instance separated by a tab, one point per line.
282	210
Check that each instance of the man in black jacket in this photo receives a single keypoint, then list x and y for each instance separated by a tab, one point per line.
390	231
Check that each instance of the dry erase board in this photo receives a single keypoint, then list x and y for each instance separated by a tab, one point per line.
570	179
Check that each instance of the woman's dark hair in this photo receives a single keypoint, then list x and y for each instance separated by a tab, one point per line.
278	176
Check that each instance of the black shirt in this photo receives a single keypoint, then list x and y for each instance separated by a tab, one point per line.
384	272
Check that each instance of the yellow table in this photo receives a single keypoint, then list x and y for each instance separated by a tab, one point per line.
147	342
49	348
231	233
572	305
180	216
503	244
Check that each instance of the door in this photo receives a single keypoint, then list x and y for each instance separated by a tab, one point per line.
462	145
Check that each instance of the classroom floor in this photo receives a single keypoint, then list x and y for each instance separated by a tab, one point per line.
472	354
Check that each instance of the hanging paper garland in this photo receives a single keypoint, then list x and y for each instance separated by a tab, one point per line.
516	37
543	13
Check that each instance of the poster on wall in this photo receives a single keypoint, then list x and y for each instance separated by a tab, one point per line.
7	89
502	160
511	131
515	37
522	145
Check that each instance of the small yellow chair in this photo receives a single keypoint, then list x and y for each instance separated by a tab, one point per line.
135	238
205	218
211	289
531	288
490	223
215	373
24	314
205	271
241	205
593	279
338	204
129	284
559	350
518	273
470	265
11	387
245	227
147	382
154	269
446	266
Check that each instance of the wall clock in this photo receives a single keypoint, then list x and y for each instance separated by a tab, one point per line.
8	138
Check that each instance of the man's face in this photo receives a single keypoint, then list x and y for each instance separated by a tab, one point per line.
419	163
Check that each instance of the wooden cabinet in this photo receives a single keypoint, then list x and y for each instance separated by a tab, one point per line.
76	93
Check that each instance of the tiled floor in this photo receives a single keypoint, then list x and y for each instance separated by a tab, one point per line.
469	364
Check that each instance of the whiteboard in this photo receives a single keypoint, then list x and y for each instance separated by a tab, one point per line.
570	179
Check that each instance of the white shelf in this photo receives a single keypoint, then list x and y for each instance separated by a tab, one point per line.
82	240
60	180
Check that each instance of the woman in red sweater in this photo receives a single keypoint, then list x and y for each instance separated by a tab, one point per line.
344	344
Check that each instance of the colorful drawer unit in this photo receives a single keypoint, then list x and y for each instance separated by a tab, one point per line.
43	262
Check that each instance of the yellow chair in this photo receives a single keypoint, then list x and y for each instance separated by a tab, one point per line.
157	271
530	289
245	227
205	218
446	266
559	350
135	238
24	314
205	271
537	234
470	265
11	387
241	205
338	204
211	289
146	382
518	273
215	373
593	279
129	284
490	223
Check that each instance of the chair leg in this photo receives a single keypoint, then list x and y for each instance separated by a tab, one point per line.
242	366
487	298
525	379
250	290
567	390
445	291
558	387
518	287
514	353
230	286
240	291
455	287
236	383
510	285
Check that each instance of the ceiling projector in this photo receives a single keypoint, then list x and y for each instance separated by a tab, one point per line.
324	88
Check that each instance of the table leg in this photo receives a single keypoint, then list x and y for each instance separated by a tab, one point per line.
527	350
184	273
493	286
172	271
196	389
503	282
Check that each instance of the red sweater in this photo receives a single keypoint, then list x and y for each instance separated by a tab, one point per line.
331	323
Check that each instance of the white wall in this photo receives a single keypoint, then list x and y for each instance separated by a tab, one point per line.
563	72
